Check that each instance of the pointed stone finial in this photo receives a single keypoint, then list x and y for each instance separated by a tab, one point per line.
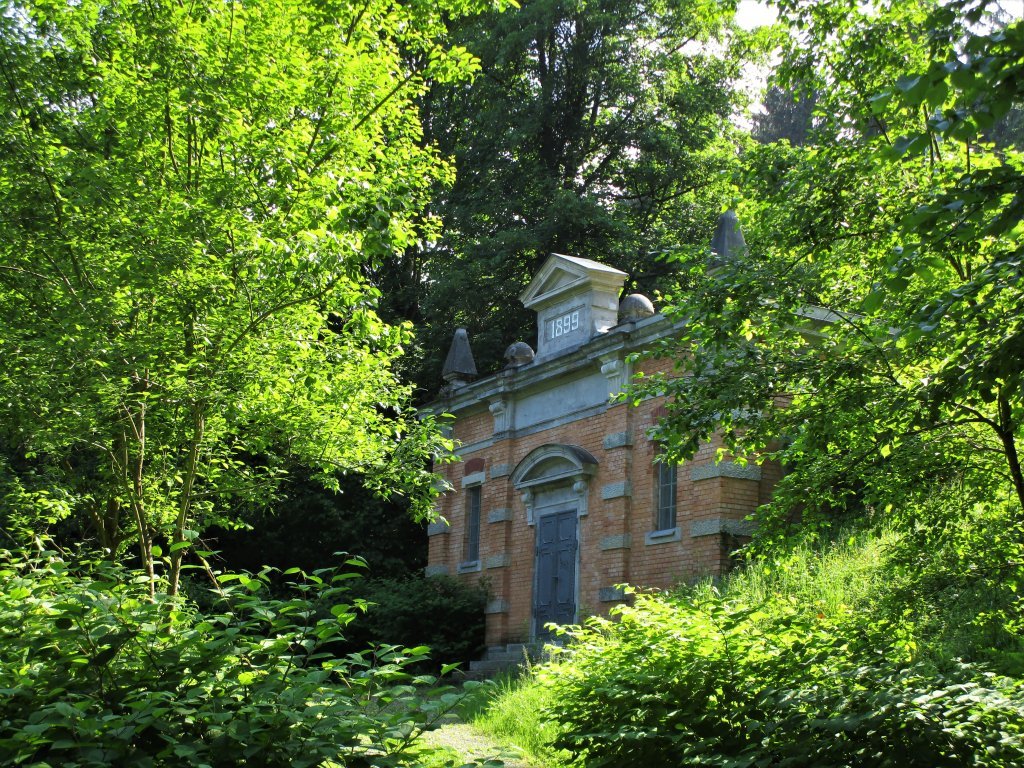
459	367
728	242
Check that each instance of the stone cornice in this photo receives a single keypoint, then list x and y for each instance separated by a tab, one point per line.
620	341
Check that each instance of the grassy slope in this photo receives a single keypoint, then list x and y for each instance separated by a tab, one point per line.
862	574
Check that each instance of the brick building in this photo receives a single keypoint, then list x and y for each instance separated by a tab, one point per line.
558	497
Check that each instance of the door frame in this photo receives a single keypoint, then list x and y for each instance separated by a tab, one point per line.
554	478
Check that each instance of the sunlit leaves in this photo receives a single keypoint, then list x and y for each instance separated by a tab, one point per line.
192	193
903	243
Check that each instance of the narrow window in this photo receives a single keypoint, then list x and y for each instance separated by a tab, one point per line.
665	515
471	548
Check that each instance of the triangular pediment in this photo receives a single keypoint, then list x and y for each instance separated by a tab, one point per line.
558	280
561	275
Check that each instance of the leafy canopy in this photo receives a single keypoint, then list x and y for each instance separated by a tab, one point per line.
190	194
596	128
871	337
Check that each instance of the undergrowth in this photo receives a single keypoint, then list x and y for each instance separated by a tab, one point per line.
836	653
97	672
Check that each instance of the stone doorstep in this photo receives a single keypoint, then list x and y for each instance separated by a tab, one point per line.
484	668
502	658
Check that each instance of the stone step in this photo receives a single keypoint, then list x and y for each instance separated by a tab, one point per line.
502	658
512	656
489	667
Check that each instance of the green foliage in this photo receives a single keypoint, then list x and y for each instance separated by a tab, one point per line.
957	575
597	128
870	338
845	574
441	612
191	193
96	673
700	678
788	115
806	656
351	518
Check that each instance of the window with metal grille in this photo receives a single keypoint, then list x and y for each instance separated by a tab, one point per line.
665	514
471	543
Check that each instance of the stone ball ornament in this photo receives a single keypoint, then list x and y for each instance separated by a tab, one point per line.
635	307
517	354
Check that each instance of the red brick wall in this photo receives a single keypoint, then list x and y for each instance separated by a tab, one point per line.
652	565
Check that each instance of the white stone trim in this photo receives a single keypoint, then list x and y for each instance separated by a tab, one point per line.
718	525
438	527
497	605
501	410
578	466
663	537
499	515
616	541
617	371
611	594
476	478
502	560
616	490
617	440
725	469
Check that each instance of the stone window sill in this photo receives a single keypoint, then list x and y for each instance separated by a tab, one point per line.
469	567
663	537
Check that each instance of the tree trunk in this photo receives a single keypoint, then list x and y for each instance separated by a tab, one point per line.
1006	435
178	540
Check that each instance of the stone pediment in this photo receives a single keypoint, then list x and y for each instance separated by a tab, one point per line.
562	275
574	299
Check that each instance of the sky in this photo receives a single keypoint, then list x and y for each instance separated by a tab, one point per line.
753	13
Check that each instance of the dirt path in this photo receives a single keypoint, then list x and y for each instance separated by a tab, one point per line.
471	743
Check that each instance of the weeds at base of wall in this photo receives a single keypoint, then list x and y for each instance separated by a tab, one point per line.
791	662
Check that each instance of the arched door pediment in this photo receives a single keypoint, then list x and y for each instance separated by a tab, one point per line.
551	472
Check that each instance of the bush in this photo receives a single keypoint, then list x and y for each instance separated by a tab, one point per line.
96	673
787	666
958	571
441	612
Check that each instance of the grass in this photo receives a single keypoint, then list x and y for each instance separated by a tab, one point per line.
513	711
844	575
848	573
950	608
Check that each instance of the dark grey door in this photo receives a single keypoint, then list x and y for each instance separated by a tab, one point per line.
554	595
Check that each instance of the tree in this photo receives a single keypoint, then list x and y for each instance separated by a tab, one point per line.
871	339
595	128
190	194
788	114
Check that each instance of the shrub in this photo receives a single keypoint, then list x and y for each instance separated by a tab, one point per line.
95	673
441	612
698	679
958	570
